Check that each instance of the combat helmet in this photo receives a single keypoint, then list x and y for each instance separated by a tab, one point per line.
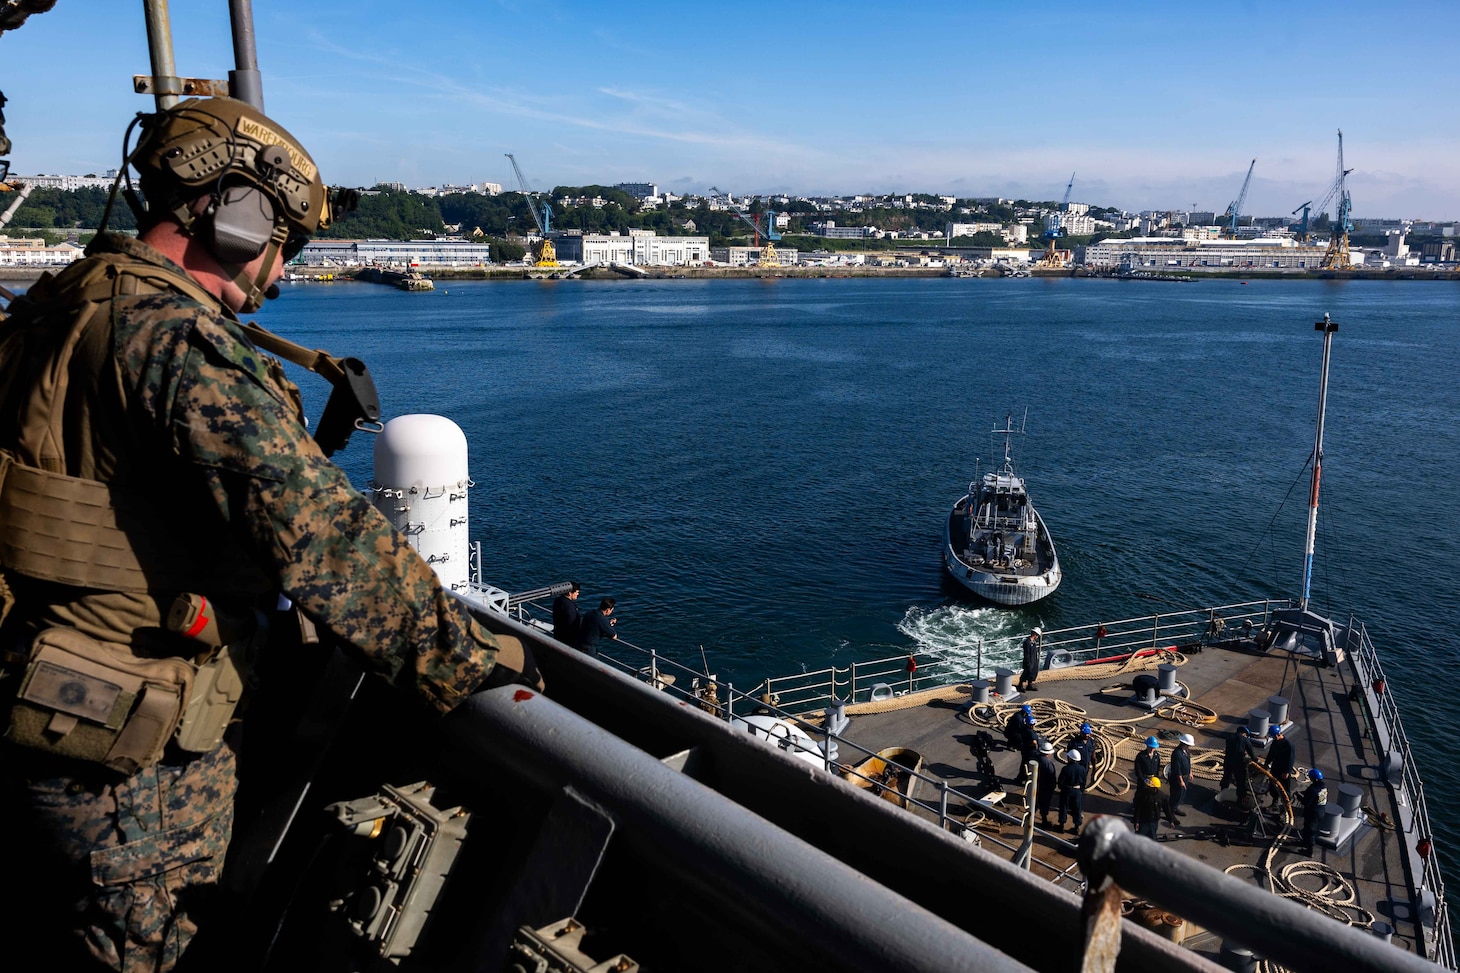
264	190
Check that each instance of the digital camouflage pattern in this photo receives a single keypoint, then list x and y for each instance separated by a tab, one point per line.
185	409
133	862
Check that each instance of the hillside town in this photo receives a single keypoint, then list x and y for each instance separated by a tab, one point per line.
639	225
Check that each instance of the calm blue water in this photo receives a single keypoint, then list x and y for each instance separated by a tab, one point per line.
762	467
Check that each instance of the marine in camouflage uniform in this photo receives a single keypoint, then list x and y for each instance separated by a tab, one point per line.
165	399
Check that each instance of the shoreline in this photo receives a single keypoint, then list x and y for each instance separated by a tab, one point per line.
1188	275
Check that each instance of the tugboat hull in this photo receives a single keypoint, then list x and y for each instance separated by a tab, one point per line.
1002	586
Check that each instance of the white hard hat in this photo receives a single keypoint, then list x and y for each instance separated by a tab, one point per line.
1187	739
1074	756
1037	630
1046	747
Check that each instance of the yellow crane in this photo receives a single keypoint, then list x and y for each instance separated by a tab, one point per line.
543	253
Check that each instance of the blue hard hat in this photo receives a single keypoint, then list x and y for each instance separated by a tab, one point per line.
1273	731
1153	743
1242	730
1315	774
1028	720
1027	708
1085	728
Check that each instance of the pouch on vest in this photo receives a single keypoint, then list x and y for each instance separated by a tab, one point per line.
222	677
82	700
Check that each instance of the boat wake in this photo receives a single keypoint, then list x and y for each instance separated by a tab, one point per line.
953	633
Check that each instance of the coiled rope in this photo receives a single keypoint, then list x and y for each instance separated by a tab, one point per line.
1331	894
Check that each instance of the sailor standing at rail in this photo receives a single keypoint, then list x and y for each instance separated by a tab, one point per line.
1030	672
566	615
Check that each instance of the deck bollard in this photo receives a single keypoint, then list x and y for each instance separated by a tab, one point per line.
1277	708
1004	682
1257	722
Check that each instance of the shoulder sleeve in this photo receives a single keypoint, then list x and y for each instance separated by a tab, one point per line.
208	392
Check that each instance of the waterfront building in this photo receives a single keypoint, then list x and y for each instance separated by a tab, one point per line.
103	181
641	248
1196	253
1442	252
750	256
33	252
424	254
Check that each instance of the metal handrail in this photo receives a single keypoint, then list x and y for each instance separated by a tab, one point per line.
681	687
820	687
1415	824
800	693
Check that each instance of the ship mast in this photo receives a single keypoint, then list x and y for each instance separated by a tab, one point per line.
1328	328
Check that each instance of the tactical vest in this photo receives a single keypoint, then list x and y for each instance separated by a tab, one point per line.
63	408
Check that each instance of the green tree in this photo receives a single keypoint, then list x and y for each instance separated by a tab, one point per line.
389	215
504	251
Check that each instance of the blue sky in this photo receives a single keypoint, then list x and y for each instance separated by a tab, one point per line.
1151	105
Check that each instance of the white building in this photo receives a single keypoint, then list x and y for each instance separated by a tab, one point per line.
642	248
971	229
33	252
1172	253
1077	224
103	181
750	256
394	253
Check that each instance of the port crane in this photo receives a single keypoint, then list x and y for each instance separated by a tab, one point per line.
1337	255
1303	224
768	256
1054	229
1234	208
543	255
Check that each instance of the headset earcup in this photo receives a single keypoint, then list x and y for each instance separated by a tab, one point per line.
242	222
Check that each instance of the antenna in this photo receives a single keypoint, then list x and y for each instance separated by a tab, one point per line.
1327	327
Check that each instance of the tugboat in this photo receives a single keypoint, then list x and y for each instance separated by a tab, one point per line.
995	543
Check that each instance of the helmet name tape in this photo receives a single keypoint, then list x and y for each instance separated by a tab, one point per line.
263	133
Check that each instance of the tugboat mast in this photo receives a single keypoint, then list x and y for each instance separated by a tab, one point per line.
1328	328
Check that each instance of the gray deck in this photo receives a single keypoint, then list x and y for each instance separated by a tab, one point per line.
1327	732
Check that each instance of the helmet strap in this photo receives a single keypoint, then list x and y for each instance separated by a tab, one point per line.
253	289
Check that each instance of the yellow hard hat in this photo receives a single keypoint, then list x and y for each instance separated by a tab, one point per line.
1153	782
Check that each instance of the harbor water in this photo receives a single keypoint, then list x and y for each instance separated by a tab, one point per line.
762	467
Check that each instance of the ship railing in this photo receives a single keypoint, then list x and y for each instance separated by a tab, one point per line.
839	755
883	679
1398	766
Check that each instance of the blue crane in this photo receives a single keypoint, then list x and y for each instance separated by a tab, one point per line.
1337	256
769	230
1303	224
1054	229
1234	209
544	254
768	256
544	219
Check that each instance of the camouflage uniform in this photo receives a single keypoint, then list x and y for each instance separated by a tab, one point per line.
173	403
